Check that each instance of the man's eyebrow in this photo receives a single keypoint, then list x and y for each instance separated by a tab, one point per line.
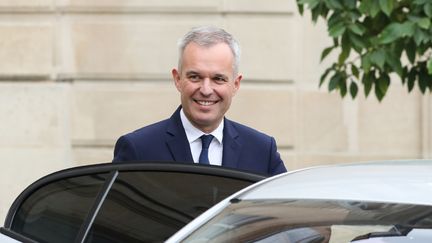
192	73
217	75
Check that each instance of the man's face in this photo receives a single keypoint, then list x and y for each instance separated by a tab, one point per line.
206	83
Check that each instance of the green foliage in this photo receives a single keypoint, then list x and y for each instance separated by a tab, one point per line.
375	38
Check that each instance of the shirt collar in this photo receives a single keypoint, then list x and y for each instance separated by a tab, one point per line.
193	133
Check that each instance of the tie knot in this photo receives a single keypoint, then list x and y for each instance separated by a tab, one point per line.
206	140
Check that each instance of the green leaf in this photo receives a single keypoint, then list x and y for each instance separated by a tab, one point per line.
324	11
350	4
337	29
395	31
353	15
319	10
335	41
369	7
316	12
358	43
355	71
333	4
346	49
353	89
420	2
407	28
397	47
424	80
428	9
325	52
411	79
383	83
424	23
366	62
357	28
377	57
378	94
334	81
410	50
334	19
343	86
394	62
420	36
375	8
429	66
323	77
365	6
300	8
386	6
405	75
390	33
374	41
367	81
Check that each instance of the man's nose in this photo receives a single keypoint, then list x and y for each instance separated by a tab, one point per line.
206	87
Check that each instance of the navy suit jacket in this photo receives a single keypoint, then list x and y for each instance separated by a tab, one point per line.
243	148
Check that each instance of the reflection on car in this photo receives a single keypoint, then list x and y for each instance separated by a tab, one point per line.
133	202
388	201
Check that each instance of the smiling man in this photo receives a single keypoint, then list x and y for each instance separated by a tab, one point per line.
207	79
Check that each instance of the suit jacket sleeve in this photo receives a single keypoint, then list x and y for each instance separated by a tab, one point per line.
124	150
276	164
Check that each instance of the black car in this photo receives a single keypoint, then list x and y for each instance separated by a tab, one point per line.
131	202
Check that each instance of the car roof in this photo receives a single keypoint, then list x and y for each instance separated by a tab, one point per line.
408	181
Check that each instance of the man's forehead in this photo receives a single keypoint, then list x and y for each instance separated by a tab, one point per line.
212	60
216	46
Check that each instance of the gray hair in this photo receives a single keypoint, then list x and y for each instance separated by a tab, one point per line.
208	36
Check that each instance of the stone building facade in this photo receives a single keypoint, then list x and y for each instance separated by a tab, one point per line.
76	74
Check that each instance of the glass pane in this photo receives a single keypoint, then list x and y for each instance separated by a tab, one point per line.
151	206
55	212
313	221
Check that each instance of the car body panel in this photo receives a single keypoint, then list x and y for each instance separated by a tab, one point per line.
354	185
7	239
373	181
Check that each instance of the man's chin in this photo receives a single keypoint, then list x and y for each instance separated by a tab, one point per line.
206	123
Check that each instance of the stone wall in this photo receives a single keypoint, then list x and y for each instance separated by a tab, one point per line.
77	74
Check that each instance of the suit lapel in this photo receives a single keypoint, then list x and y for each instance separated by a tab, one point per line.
176	139
231	146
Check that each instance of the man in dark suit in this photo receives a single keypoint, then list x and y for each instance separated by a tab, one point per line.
207	79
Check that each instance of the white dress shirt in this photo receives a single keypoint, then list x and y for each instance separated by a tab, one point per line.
193	135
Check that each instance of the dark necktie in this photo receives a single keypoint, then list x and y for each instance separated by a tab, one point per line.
205	140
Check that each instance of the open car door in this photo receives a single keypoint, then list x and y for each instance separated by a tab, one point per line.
131	202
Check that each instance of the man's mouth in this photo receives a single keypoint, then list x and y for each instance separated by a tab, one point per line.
205	102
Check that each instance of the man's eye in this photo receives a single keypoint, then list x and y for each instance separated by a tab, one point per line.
194	77
219	79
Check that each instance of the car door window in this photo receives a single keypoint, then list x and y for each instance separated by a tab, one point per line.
151	206
137	202
55	212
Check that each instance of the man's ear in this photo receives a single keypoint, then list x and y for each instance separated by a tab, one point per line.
176	77
237	83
